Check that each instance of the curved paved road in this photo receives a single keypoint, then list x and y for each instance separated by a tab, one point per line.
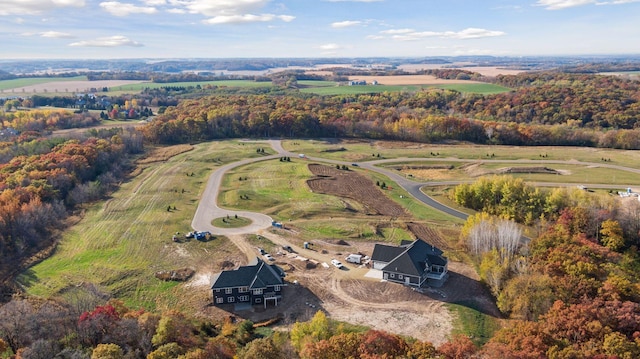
209	210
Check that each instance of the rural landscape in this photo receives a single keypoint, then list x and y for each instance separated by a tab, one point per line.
119	223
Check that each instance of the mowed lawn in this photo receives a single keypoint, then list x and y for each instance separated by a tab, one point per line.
119	244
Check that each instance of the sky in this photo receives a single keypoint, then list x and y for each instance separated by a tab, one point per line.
116	29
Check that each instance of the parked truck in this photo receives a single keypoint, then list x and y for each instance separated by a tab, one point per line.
354	258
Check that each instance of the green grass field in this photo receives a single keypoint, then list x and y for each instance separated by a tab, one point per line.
119	244
479	88
231	222
472	322
17	83
367	150
568	173
151	85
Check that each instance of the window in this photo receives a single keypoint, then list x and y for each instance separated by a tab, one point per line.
276	288
257	291
244	298
219	300
400	276
392	275
228	290
231	299
217	290
243	289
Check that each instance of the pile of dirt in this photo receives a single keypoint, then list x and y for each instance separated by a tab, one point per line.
226	265
330	150
546	170
349	184
421	167
179	275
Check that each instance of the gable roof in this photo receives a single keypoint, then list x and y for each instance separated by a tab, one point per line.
412	259
259	275
385	253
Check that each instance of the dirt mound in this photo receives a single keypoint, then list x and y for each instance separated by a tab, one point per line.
179	275
422	167
349	184
528	170
330	150
226	265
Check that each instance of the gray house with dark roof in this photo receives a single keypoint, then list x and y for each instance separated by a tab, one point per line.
412	263
253	284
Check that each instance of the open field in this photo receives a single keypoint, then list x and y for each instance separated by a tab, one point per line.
469	171
52	86
410	80
118	245
356	150
19	84
483	70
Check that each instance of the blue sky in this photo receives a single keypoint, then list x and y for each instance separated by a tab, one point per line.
94	29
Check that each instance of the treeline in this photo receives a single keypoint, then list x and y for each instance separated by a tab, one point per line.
513	199
571	292
43	179
46	120
45	329
555	98
424	116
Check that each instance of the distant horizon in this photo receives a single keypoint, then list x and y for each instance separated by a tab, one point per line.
160	29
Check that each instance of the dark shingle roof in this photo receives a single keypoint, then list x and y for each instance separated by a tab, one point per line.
255	276
412	259
385	253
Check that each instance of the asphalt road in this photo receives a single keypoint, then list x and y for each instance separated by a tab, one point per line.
208	209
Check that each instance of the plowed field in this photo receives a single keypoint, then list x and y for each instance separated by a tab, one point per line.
349	184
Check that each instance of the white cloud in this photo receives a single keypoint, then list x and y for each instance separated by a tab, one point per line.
412	35
112	41
214	8
330	47
56	35
397	31
123	9
343	24
246	18
34	7
562	4
177	11
616	2
154	2
473	33
355	0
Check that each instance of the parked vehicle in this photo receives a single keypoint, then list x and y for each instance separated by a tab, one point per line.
262	251
288	249
336	263
354	258
268	257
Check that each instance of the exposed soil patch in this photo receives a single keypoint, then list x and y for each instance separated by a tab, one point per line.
527	170
179	275
428	234
344	183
